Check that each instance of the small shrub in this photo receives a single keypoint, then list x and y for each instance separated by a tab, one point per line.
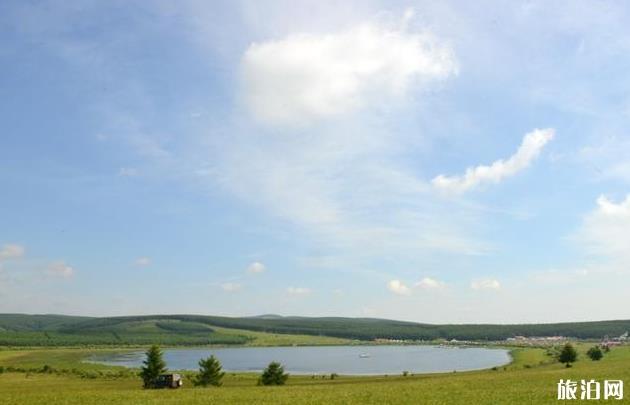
333	376
405	373
273	375
595	353
46	369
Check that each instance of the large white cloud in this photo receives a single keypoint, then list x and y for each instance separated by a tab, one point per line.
346	184
305	77
605	230
530	148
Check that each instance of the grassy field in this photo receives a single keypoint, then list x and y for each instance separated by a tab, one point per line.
530	379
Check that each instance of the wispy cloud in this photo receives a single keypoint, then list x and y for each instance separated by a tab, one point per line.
60	269
256	268
128	172
298	291
529	150
485	284
560	276
142	261
11	251
231	287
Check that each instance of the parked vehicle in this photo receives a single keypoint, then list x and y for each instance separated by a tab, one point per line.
169	381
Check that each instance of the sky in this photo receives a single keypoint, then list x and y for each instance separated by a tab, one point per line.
441	162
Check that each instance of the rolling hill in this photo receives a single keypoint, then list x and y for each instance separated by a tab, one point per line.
60	330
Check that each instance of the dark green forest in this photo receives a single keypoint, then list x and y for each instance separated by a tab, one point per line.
58	330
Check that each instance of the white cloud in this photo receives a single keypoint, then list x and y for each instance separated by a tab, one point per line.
609	209
256	268
11	251
485	284
428	283
298	291
605	230
345	186
143	261
305	77
231	287
397	287
60	269
529	150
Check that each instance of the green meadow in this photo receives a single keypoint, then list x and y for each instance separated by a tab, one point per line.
530	379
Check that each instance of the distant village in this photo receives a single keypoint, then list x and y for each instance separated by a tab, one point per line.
551	340
516	340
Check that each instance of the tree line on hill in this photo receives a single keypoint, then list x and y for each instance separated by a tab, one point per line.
51	330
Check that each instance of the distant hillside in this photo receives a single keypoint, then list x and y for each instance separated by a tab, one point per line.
19	329
266	316
55	330
21	322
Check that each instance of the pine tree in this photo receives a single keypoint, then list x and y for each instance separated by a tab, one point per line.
595	353
209	372
568	355
154	365
273	375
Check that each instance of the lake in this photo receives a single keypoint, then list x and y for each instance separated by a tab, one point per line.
354	360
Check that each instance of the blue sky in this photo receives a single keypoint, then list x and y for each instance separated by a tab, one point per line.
427	161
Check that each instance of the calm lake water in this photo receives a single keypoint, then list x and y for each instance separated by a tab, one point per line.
356	360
